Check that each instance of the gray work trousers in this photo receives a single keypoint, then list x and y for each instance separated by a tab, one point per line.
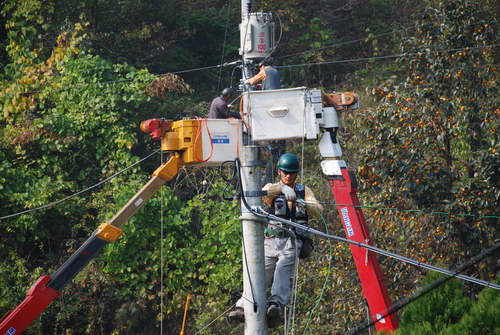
280	255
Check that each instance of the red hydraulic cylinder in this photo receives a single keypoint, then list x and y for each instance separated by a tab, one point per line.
374	289
37	299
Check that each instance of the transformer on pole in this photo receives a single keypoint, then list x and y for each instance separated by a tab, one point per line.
257	41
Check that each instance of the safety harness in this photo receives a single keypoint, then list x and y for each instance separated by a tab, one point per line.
279	207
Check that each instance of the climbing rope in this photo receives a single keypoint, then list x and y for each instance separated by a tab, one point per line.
323	289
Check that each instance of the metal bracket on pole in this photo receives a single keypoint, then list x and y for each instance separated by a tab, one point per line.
255	193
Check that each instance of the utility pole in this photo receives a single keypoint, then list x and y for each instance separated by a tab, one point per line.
246	39
254	284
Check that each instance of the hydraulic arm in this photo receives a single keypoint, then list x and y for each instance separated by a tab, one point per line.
47	288
344	187
188	142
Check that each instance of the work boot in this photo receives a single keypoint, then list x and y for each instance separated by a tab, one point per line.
274	315
238	315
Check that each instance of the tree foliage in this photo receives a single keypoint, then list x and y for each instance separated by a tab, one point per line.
447	310
433	140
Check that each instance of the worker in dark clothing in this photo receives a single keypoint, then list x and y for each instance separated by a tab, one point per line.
220	109
268	75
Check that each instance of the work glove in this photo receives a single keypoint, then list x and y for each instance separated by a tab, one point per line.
301	203
288	192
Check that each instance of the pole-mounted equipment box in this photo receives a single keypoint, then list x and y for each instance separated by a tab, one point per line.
283	114
204	142
257	36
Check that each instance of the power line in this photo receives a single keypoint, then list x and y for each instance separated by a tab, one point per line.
419	294
80	192
223	46
232	63
261	213
365	39
215	319
404	259
106	82
352	60
214	66
202	68
388	56
347	42
416	211
69	87
196	69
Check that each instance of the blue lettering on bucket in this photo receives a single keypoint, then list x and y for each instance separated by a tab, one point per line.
347	221
220	138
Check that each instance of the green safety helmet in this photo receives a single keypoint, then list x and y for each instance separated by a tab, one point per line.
289	163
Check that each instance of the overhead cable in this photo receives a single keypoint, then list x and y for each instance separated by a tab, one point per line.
389	56
415	211
213	66
80	192
382	252
347	42
68	87
365	39
352	60
215	319
422	292
223	46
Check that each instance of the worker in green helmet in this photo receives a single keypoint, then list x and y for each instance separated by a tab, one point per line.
282	245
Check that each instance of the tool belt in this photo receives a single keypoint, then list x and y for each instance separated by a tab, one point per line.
307	243
271	232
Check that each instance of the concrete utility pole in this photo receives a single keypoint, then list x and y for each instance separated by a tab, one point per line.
254	285
246	38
